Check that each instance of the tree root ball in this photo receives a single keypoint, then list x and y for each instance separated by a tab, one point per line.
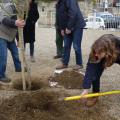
69	79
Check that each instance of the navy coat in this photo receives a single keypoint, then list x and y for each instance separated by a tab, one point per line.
68	15
29	29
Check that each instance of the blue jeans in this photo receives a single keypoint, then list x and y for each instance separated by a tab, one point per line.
76	38
3	56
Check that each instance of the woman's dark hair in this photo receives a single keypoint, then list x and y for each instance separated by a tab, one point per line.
105	44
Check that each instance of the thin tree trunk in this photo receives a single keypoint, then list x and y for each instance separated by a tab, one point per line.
22	7
20	32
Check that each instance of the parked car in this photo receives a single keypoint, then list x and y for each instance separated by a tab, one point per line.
94	22
110	20
104	15
113	22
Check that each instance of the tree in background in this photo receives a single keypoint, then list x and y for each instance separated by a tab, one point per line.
94	2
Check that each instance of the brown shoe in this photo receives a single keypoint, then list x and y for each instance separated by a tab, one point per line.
91	101
61	67
78	67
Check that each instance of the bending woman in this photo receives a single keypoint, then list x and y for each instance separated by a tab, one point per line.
104	53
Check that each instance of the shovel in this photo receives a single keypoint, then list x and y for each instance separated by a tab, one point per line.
91	95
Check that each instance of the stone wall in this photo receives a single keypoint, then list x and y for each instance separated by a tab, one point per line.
47	12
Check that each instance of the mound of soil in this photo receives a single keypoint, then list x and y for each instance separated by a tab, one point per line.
45	105
69	79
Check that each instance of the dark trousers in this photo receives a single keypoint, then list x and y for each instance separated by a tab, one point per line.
31	48
59	43
92	76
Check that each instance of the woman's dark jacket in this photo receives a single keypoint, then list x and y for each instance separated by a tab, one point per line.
68	15
95	70
29	29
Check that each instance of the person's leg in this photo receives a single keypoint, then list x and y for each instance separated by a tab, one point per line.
59	45
3	58
66	51
32	49
32	52
92	77
96	81
14	52
77	39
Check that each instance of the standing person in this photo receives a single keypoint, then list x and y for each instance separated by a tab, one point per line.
59	40
8	30
71	23
29	29
59	44
104	53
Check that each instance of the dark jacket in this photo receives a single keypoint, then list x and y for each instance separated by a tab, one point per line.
29	29
95	70
68	15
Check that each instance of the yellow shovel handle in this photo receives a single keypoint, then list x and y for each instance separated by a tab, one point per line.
92	95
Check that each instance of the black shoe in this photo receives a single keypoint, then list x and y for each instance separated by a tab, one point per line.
5	80
57	56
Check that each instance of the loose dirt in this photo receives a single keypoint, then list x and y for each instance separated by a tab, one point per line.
46	105
43	102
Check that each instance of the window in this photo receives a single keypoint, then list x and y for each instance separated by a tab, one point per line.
98	20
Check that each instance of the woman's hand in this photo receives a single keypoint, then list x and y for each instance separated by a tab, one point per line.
85	92
83	98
